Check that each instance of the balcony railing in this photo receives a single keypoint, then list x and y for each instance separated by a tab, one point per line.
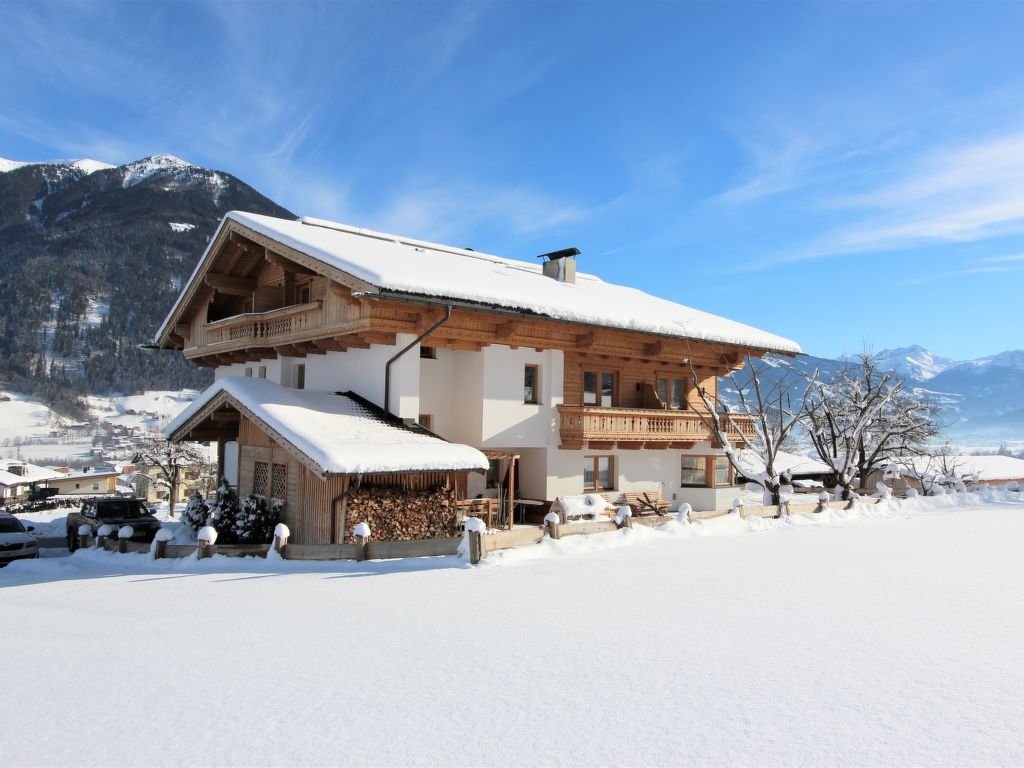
580	425
256	329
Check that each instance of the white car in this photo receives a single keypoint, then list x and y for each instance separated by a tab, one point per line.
16	542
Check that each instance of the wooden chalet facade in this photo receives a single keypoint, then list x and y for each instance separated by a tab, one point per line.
499	355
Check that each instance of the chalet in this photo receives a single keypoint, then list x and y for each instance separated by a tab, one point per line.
18	478
348	359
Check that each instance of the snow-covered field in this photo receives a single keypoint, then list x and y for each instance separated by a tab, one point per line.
890	637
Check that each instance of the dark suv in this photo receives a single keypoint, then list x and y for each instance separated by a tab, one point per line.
116	511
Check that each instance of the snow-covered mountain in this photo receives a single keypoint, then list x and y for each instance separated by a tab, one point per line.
914	362
981	400
91	257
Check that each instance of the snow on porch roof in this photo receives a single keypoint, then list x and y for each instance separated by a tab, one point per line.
418	268
339	435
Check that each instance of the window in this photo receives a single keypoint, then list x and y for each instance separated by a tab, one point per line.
263	372
304	294
248	372
599	388
723	472
300	376
279	481
428	353
694	471
95	486
426	421
78	485
531	384
671	393
598	473
260	472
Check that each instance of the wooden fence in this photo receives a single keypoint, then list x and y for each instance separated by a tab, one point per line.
480	543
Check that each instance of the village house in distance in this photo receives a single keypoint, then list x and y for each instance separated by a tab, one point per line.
361	373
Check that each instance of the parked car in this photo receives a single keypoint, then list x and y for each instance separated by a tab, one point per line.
116	511
16	541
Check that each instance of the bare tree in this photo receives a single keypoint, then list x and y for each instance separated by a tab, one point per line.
864	418
171	465
936	469
765	414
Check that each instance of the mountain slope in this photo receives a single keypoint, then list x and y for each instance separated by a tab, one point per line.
979	399
92	257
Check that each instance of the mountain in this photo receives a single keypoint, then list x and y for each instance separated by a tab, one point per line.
980	400
91	258
915	362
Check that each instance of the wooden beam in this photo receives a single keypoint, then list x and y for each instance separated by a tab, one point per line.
182	329
585	340
287	264
375	337
506	330
654	348
230	285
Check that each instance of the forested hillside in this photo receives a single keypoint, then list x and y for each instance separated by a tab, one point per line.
91	259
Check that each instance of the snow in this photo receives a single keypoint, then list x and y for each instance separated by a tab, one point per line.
584	504
362	529
887	637
85	164
752	465
149	411
125	532
978	468
179	226
142	169
105	530
913	362
418	268
208	534
335	432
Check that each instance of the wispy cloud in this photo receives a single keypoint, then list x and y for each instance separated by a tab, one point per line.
955	194
1003	259
446	210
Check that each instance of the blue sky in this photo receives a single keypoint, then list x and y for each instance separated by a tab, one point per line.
848	175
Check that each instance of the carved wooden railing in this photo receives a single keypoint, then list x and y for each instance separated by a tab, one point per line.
580	424
256	329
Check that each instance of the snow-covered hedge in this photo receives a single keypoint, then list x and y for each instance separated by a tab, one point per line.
196	513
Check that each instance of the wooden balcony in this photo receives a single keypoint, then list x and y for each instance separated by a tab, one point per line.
256	330
587	426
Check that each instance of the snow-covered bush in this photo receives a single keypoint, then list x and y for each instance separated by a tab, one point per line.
256	520
224	513
196	513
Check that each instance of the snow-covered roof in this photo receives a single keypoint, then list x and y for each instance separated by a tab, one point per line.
394	264
30	473
981	468
752	465
338	434
86	475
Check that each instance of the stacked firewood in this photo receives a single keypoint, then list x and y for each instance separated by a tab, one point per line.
399	515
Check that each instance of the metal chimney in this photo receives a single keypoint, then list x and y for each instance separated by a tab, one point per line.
561	265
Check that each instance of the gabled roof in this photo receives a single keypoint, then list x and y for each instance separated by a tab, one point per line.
336	434
796	465
390	265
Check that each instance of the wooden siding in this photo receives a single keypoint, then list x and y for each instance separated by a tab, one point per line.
308	509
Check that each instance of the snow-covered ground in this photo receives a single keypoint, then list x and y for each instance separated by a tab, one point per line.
888	637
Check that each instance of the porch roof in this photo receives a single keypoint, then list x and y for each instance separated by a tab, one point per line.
335	434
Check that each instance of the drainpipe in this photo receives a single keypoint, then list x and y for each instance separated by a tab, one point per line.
410	345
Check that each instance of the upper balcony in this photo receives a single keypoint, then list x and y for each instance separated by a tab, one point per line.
588	426
259	329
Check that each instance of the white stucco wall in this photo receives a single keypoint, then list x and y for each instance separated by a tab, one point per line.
643	470
507	420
